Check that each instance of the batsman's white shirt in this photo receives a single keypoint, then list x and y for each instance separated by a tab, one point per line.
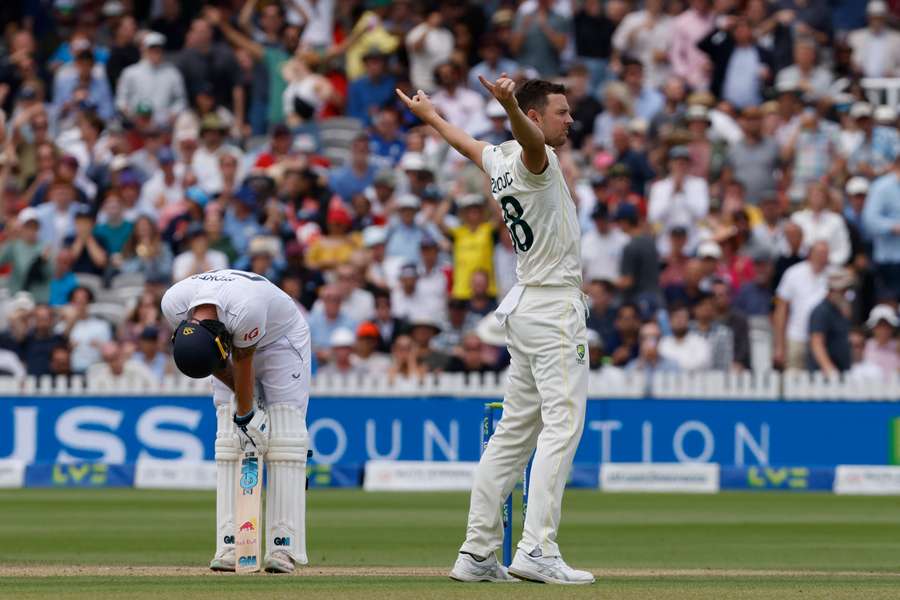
256	313
544	316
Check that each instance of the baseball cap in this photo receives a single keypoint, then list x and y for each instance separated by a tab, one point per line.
128	177
367	329
338	216
857	185
374	235
113	8
165	156
679	152
407	201
413	161
153	39
26	215
409	270
342	338
626	212
374	53
468	200
197	195
385	177
840	279
861	110
457	304
697	112
143	109
424	319
877	8
709	249
495	111
882	312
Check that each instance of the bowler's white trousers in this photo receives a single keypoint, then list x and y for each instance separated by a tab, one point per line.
544	406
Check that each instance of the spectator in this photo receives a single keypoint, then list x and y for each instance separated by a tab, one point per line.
805	75
754	298
404	360
639	267
829	327
459	322
583	105
145	252
595	351
481	301
650	360
433	279
718	336
592	31
688	28
871	149
152	83
79	85
790	253
706	157
89	254
602	247
372	91
602	315
61	361
403	233
800	290
407	296
673	274
809	152
690	350
198	257
734	320
818	222
86	333
881	219
210	66
149	355
498	132
341	362
472	357
113	229
356	302
539	38
741	67
57	214
124	51
389	326
37	347
493	64
617	111
876	48
648	101
117	367
882	349
646	35
428	45
308	93
423	328
678	200
626	345
754	159
473	243
172	23
322	324
368	360
64	280
357	174
461	106
27	257
337	245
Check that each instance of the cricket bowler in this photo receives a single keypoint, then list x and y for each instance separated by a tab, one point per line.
544	316
243	330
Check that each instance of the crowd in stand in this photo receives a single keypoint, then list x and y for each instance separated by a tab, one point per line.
738	185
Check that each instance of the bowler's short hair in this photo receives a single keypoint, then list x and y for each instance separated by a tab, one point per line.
534	92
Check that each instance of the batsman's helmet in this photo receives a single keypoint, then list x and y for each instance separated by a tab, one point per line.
200	348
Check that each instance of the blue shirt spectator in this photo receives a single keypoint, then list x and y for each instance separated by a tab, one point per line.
357	174
325	322
372	91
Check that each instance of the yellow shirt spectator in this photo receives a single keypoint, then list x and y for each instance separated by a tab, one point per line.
368	33
473	250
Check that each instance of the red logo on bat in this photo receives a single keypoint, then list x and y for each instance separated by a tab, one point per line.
247	526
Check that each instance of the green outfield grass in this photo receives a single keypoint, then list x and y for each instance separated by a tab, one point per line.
626	535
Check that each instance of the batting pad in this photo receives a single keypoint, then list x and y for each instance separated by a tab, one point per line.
286	486
227	455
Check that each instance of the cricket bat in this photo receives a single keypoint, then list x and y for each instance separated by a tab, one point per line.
247	513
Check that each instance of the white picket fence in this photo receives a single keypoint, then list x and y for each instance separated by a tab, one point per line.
762	386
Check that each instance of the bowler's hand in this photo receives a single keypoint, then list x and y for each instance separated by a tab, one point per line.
419	104
504	90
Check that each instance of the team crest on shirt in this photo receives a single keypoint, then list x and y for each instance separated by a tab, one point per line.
187	331
579	349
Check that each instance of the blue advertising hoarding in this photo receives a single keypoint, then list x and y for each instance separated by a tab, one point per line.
349	431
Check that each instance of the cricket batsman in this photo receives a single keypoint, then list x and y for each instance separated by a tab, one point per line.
544	316
243	330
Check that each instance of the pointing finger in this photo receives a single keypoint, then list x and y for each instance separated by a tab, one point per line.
406	99
487	84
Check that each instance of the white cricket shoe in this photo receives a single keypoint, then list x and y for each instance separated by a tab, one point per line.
223	561
467	569
547	569
279	561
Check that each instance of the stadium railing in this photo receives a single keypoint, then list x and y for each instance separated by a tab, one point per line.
755	385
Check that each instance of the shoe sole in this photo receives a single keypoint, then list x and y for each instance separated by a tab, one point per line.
279	570
538	578
221	569
455	577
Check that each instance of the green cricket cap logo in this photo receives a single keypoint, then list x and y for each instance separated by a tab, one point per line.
580	350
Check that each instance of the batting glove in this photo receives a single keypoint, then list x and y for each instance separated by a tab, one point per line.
253	431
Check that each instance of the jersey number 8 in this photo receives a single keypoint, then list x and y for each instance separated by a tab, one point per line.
519	230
